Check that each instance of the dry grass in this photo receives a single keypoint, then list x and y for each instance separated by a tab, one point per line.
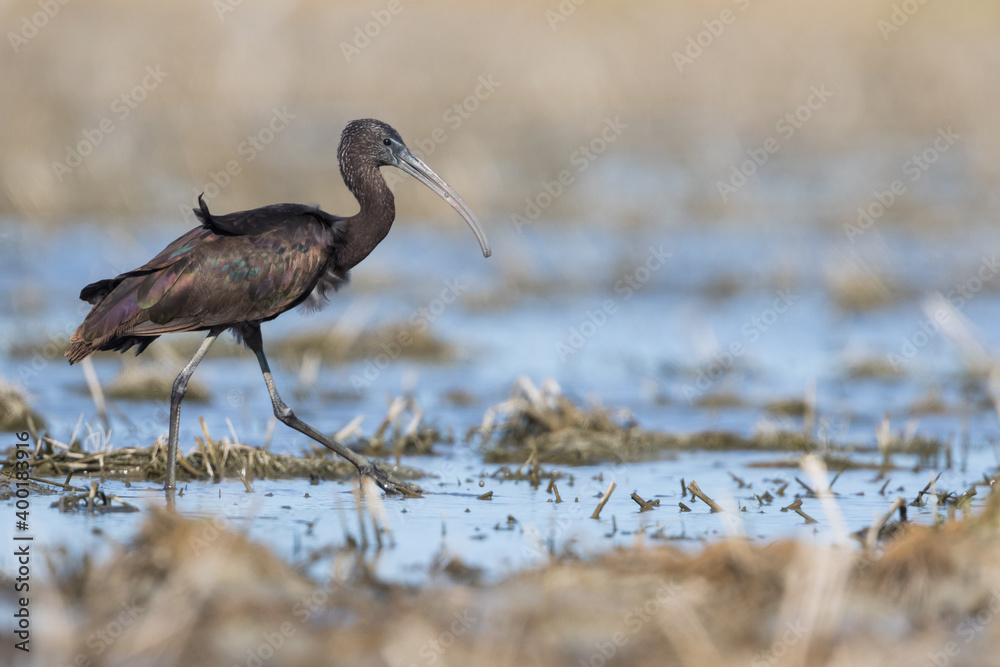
876	368
212	460
150	381
861	291
720	400
789	407
541	425
192	592
391	341
931	403
856	284
402	431
15	412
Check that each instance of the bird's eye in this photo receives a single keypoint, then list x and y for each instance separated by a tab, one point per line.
387	142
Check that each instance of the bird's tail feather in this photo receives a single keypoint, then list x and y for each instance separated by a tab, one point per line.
108	324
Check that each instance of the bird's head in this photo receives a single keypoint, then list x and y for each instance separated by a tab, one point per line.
369	144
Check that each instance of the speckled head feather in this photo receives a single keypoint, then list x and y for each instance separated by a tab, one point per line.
363	148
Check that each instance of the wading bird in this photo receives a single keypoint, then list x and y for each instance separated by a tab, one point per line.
238	270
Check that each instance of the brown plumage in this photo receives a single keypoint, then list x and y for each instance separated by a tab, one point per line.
238	270
210	277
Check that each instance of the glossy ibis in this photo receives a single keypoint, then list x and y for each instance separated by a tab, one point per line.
238	270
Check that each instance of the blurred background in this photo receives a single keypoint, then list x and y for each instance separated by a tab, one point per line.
693	103
767	194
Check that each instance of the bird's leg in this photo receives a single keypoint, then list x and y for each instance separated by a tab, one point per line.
176	396
385	480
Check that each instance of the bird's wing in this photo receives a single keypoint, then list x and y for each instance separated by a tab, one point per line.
216	227
204	279
235	279
95	292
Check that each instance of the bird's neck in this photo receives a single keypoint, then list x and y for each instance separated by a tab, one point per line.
369	226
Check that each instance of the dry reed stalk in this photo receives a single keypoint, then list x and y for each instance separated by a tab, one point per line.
700	495
644	505
797	508
604	501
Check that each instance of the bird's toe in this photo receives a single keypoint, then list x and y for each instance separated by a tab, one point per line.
390	484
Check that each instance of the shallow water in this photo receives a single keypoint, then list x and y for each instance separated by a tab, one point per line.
298	519
516	314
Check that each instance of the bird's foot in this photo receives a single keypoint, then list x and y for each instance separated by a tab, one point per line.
388	483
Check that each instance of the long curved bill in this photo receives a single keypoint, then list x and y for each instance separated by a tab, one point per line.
416	168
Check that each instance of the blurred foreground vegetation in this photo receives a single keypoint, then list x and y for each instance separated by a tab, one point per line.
194	592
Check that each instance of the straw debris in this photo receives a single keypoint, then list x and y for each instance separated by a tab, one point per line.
211	460
542	420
